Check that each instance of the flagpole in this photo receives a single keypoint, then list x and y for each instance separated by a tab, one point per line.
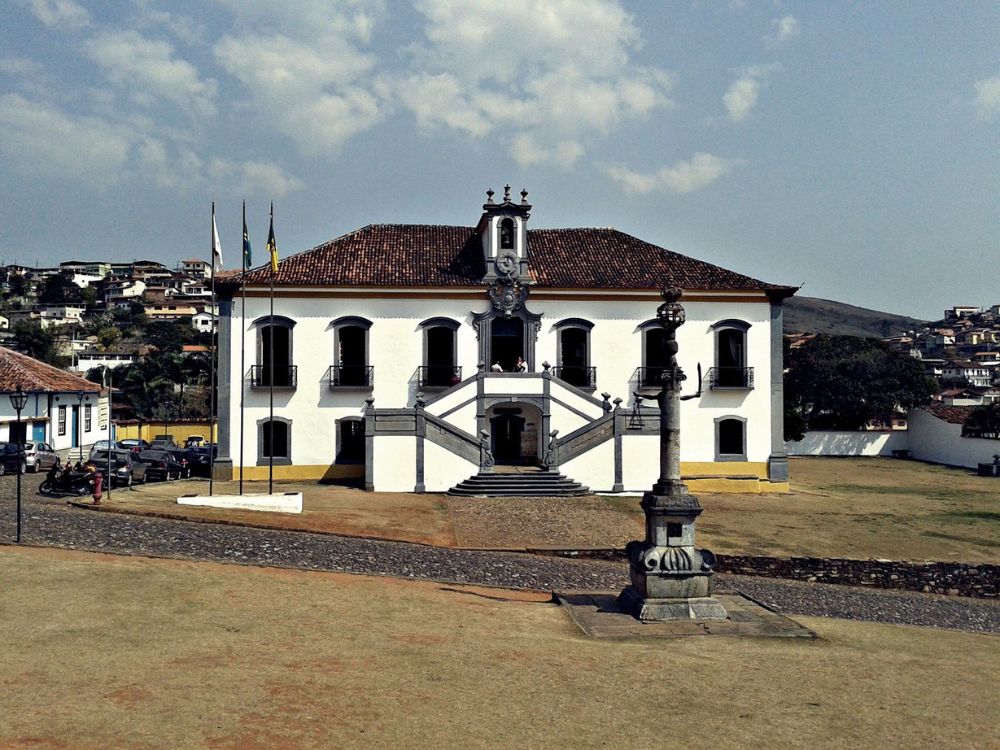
243	339
270	451
211	409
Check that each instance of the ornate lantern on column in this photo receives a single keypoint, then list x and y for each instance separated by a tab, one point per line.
19	399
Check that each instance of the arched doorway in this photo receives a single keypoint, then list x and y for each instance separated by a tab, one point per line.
514	430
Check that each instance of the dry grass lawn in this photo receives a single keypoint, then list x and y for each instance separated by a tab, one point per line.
117	652
858	508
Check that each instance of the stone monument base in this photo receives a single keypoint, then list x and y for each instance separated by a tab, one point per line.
658	610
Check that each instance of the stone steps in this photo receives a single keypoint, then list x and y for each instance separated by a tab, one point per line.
541	483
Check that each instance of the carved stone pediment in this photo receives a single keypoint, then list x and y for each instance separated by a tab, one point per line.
507	296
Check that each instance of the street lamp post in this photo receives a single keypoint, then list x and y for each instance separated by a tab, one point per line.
18	399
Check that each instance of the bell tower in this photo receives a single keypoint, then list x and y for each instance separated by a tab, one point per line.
504	232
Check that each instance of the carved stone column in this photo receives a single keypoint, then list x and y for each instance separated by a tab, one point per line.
671	578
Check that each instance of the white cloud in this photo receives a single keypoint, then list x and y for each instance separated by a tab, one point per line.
683	177
314	83
988	96
264	178
544	78
59	14
785	28
149	71
98	153
19	66
38	138
742	94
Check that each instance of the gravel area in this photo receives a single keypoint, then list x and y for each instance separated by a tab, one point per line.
48	522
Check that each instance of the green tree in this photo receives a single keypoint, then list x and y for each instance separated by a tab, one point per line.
35	341
983	421
845	382
59	290
109	337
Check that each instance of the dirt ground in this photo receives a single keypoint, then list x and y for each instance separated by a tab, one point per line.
124	652
858	508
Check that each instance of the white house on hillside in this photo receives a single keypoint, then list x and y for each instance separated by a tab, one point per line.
395	360
64	410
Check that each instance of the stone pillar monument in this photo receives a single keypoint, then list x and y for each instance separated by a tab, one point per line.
671	578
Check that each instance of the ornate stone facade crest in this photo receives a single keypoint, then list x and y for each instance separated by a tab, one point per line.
508	296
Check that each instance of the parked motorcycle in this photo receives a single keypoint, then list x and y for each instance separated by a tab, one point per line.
60	482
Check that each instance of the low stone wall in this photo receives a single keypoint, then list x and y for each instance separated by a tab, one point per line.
953	579
956	579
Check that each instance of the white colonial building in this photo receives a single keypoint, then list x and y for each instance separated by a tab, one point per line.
393	355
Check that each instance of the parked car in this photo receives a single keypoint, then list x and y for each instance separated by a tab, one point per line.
200	459
163	465
134	444
163	442
12	458
39	456
126	469
194	441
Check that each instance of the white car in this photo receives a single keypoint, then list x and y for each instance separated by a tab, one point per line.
39	456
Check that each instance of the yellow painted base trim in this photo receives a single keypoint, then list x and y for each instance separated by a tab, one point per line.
735	486
724	469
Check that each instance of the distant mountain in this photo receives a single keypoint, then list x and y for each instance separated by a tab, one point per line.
814	315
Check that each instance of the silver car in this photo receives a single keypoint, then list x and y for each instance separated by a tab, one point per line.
39	456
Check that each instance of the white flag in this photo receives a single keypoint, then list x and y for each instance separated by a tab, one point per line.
216	245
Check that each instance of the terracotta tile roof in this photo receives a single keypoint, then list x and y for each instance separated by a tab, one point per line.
37	377
950	414
447	256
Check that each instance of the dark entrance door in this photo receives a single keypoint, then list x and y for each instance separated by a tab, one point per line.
573	357
440	356
506	342
656	358
353	356
506	428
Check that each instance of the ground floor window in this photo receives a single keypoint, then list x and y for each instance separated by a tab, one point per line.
730	439
351	441
275	441
61	423
87	418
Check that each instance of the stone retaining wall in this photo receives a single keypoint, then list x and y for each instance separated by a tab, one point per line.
953	579
956	579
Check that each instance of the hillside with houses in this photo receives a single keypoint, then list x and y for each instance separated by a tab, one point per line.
141	326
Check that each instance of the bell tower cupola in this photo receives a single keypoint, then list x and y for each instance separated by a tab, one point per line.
504	232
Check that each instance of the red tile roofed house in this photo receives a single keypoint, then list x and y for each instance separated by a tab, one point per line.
64	410
410	314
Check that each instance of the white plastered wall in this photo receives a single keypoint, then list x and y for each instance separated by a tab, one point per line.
595	468
396	351
443	469
395	464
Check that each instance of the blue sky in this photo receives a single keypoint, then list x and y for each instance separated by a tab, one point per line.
848	146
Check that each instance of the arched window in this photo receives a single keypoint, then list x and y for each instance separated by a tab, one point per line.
274	440
731	369
654	357
573	353
730	439
507	234
440	369
274	353
350	353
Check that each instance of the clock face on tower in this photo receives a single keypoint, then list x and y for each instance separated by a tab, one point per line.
506	263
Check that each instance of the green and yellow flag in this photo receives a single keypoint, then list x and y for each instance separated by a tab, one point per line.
272	246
